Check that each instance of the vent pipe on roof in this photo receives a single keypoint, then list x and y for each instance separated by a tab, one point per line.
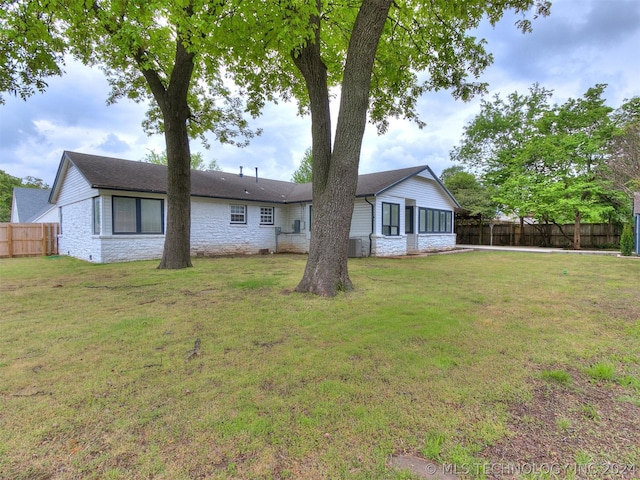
240	171
256	174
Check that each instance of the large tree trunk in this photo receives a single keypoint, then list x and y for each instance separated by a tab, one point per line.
335	174
177	241
172	101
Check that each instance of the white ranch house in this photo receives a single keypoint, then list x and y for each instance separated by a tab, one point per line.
114	210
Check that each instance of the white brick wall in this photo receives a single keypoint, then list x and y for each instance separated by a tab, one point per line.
293	243
389	246
127	248
76	238
213	234
436	242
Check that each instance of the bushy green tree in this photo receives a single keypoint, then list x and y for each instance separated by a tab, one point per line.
495	144
470	193
626	240
304	173
7	183
31	48
624	149
382	54
543	160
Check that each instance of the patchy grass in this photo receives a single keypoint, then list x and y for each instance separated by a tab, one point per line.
601	371
559	376
439	356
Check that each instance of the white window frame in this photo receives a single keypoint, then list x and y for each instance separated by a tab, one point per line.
238	214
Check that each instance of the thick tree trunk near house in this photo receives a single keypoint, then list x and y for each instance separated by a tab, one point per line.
576	230
335	171
175	114
326	271
177	242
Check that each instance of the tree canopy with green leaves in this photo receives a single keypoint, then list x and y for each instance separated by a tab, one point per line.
542	160
470	193
624	149
31	48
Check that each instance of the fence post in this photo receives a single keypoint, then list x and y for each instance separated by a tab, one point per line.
44	240
9	241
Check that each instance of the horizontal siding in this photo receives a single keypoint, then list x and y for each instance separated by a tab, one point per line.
425	192
75	188
361	219
425	174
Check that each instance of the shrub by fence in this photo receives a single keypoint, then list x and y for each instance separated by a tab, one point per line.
592	235
28	239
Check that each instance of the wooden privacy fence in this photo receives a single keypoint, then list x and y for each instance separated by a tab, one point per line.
28	239
592	235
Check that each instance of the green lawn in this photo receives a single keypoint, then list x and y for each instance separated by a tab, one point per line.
428	356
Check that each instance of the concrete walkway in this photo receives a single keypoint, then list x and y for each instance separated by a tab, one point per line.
538	250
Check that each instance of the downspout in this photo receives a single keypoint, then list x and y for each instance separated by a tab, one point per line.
373	223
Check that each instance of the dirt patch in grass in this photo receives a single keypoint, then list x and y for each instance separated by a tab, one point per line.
564	429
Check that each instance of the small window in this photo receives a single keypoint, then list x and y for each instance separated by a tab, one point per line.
422	220
266	215
238	214
390	219
138	215
96	215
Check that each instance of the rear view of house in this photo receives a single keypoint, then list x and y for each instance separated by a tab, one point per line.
114	210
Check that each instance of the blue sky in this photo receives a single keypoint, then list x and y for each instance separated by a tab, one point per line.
582	43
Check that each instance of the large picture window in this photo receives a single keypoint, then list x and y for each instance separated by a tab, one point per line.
390	218
138	215
238	214
431	220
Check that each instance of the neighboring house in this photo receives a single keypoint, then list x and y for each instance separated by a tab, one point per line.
31	205
636	214
114	210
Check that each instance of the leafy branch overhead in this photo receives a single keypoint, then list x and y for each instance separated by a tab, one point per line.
422	47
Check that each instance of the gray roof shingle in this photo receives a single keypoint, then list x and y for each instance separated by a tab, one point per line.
126	175
30	203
